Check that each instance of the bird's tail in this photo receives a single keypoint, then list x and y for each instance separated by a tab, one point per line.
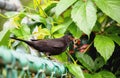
19	39
25	41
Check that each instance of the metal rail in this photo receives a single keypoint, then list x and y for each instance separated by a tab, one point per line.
14	60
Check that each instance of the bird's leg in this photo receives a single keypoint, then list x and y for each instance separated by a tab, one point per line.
48	55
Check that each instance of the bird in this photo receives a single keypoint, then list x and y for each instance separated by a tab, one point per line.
49	46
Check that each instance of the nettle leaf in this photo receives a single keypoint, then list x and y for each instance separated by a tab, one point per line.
75	70
84	15
107	74
104	45
63	5
110	8
86	61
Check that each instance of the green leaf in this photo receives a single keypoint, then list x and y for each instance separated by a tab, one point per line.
63	5
75	70
61	57
84	15
97	75
61	28
76	32
104	45
107	74
67	13
11	14
49	7
97	27
87	75
36	18
86	61
99	62
115	38
4	37
113	30
23	31
110	8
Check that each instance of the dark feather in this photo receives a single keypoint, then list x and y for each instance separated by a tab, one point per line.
49	46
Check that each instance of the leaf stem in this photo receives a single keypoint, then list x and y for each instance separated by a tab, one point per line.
88	46
71	57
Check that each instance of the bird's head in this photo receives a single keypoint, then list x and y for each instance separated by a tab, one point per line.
68	38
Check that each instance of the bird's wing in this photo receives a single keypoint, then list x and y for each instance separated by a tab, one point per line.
56	44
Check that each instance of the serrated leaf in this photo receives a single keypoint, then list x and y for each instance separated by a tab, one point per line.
104	45
107	74
110	8
84	15
63	5
75	70
86	61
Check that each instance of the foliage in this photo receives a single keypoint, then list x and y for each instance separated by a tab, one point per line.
54	18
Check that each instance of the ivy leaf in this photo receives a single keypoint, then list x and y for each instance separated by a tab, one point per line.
110	8
63	5
74	69
86	61
104	45
84	15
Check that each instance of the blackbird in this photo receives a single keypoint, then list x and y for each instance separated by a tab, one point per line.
49	46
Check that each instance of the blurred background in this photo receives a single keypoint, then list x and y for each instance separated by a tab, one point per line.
24	3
